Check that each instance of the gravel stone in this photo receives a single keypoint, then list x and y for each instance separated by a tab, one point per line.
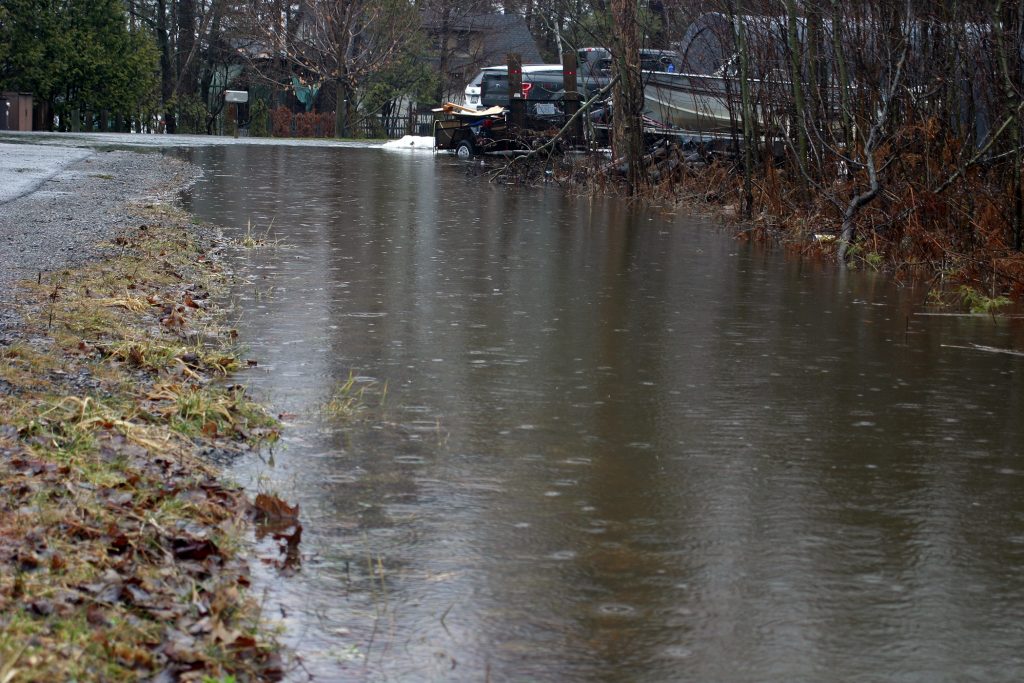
58	206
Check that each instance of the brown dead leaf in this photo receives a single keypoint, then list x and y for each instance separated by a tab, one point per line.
183	648
245	642
57	563
223	634
40	607
194	549
271	509
97	616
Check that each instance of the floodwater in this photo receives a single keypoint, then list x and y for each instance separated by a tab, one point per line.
598	443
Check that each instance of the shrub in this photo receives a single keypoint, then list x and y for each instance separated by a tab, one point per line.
326	125
259	118
305	124
282	122
190	112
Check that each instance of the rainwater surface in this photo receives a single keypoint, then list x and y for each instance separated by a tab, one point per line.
582	441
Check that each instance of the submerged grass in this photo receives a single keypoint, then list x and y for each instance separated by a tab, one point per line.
254	239
118	543
353	398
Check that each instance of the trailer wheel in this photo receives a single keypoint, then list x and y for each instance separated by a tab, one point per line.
464	149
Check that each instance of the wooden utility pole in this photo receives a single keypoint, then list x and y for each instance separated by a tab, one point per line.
516	101
571	102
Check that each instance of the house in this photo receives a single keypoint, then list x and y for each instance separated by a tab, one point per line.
467	41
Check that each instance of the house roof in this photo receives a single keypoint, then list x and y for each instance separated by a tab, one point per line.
502	33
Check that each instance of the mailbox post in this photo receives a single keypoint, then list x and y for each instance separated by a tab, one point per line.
233	99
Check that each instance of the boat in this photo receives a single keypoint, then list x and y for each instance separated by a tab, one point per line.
701	103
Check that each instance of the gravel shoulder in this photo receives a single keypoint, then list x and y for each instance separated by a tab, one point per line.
122	552
59	205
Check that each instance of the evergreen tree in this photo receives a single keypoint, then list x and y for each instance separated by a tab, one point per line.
77	54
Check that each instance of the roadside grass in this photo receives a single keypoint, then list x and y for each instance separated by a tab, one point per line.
119	545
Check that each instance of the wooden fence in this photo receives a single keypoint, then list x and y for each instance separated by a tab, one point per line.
321	125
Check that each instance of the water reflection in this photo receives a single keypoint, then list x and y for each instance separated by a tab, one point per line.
616	445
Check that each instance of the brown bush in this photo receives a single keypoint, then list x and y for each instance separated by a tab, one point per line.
326	124
281	119
305	124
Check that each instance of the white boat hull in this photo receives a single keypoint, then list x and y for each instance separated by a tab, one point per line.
691	102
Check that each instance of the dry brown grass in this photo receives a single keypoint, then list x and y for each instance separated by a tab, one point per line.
118	543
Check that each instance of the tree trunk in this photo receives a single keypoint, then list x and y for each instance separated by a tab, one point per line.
628	93
343	100
212	56
1010	15
871	145
166	72
796	78
843	77
748	119
443	86
186	40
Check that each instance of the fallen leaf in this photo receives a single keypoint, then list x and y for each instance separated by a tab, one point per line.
223	634
194	549
41	607
270	508
96	616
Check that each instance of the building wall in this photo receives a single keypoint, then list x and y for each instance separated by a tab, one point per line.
19	110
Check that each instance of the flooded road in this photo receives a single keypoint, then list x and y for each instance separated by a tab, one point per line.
594	443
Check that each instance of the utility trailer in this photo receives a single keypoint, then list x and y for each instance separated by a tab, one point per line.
469	132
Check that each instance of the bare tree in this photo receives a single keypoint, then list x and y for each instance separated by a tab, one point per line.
628	92
340	41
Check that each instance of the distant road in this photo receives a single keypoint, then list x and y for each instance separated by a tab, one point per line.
23	168
132	140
